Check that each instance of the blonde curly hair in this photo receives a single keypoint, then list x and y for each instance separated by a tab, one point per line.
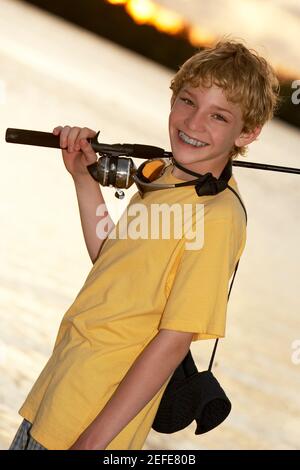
246	78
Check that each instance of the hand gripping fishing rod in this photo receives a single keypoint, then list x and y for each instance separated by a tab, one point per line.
111	169
47	139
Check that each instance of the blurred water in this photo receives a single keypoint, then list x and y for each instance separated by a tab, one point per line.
270	26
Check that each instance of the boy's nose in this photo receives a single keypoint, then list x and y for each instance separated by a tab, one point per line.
195	121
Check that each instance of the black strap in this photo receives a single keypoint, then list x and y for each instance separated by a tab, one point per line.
234	192
217	340
236	268
206	184
225	175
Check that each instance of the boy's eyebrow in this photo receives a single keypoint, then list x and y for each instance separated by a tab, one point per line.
213	106
222	109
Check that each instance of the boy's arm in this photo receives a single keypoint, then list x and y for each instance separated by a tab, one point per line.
90	199
141	383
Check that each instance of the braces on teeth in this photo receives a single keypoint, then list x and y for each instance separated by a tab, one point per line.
188	140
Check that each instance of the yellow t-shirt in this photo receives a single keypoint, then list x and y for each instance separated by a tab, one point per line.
136	287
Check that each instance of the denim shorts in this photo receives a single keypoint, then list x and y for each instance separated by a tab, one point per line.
23	439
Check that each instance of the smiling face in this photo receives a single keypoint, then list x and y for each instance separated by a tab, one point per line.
204	115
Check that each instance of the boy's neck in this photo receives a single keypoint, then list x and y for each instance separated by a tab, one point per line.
205	168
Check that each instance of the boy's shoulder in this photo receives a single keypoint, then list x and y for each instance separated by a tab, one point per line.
226	205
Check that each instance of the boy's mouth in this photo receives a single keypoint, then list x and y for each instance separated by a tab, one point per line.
189	140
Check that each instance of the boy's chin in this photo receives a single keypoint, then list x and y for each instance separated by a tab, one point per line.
188	159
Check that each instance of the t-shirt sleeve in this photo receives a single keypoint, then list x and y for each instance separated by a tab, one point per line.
197	300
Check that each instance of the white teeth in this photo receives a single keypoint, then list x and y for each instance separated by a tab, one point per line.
189	140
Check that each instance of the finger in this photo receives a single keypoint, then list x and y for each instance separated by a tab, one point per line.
85	133
64	136
88	151
57	130
72	138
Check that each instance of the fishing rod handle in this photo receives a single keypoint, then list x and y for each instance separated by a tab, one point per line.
47	139
27	137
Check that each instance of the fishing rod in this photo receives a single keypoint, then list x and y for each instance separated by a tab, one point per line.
47	139
116	168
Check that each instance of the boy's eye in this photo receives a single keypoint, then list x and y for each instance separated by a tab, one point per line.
186	100
220	117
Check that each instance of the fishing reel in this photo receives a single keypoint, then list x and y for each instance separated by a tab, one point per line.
116	168
114	171
121	173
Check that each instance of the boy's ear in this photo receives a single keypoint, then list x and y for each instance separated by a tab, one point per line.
245	138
